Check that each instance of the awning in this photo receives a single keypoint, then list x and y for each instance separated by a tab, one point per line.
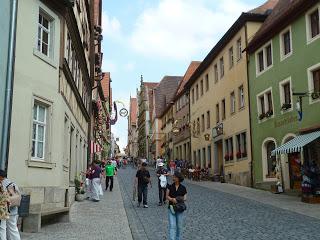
296	144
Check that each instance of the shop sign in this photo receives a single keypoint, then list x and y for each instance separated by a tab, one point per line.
285	121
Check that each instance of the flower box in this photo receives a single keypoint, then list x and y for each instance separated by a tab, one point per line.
269	113
239	154
262	116
286	106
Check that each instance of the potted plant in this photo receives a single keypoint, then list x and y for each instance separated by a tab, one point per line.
262	116
286	106
80	193
269	113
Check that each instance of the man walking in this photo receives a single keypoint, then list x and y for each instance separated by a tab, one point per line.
143	179
110	172
162	174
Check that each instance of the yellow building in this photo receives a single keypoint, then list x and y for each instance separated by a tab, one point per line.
219	107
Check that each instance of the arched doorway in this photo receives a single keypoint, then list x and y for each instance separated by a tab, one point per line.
269	162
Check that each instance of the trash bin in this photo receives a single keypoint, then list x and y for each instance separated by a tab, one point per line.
23	210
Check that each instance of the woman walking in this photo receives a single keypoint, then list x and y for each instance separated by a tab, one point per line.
176	195
95	187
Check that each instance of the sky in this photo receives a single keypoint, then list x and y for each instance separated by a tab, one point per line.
155	38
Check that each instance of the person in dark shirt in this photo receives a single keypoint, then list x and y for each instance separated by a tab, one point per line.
162	174
176	193
143	179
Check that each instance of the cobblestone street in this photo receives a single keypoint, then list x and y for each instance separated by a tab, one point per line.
213	214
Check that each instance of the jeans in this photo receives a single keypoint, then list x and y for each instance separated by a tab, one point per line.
107	182
143	192
162	194
175	225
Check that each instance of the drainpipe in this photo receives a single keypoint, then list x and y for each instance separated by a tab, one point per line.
9	88
249	103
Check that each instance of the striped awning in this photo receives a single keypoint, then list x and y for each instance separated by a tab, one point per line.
296	144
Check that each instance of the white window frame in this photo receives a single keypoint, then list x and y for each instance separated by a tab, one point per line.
47	135
282	94
242	100
239	49
263	48
266	104
216	72
50	15
308	25
282	55
310	82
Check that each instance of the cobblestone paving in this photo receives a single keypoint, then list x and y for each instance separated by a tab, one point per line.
213	214
106	219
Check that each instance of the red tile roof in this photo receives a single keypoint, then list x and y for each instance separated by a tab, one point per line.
190	70
133	111
165	93
268	5
282	15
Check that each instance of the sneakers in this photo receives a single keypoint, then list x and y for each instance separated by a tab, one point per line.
145	206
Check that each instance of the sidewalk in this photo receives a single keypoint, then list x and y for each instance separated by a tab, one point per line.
106	219
282	201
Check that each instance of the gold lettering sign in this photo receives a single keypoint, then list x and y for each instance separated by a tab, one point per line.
285	121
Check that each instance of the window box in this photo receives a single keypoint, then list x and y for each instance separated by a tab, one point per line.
269	113
226	157
238	154
262	116
315	95
286	106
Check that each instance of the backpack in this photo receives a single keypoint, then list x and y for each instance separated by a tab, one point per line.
14	195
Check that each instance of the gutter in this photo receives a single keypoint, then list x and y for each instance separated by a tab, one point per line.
9	88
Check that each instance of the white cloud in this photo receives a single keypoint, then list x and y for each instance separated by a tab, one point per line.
180	29
111	26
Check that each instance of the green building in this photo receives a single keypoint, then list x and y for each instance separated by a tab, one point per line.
284	67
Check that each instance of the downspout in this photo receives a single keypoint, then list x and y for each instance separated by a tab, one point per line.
9	88
249	103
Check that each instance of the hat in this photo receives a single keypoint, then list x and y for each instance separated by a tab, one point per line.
160	164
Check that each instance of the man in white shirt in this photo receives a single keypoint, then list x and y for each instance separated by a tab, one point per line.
159	160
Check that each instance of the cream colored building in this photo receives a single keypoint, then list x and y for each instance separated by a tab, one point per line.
51	100
220	132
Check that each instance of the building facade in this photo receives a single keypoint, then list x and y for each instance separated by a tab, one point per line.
51	104
181	117
144	96
132	148
220	134
278	78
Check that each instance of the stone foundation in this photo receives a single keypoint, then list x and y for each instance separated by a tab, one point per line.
241	178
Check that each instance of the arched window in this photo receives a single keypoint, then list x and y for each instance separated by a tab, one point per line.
271	160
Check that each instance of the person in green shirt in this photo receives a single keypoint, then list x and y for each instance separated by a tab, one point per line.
110	172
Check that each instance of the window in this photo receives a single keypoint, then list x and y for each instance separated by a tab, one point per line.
314	82
233	103
192	95
198	126
265	105
217	113
264	58
201	87
228	154
209	157
204	157
285	44
239	49
231	60
39	129
241	140
68	49
208	119
313	24
216	74
207	82
241	97
197	92
44	34
223	106
285	95
221	67
202	123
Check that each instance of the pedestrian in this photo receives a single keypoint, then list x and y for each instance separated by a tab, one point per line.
142	180
159	160
110	172
176	195
12	232
172	166
4	213
162	174
96	188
